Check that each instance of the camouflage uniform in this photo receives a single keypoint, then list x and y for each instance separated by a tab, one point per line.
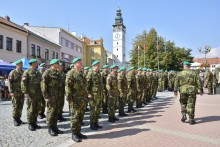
171	79
188	81
62	76
139	80
50	89
143	99
94	91
104	75
148	86
76	92
43	103
160	82
112	86
209	81
152	81
132	90
15	88
155	85
123	90
31	85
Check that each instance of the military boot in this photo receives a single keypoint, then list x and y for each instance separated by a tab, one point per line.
16	122
93	127
111	119
31	127
116	119
129	110
52	132
98	126
36	126
61	118
76	138
192	122
57	130
183	117
20	121
80	135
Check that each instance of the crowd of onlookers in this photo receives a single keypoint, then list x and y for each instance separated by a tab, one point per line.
4	94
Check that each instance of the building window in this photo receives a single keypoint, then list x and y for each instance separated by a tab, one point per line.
32	49
92	51
117	49
117	43
63	42
9	44
46	54
74	47
124	55
53	55
18	46
57	55
69	44
117	55
38	51
1	42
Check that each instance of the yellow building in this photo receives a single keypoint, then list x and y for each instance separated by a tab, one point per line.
93	50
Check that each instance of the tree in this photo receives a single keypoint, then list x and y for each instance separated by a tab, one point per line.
169	56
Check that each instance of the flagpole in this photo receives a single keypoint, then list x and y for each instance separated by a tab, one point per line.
138	55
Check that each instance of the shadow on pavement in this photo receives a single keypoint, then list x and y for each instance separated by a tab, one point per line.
207	119
117	134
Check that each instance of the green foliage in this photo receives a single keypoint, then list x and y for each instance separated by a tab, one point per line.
170	56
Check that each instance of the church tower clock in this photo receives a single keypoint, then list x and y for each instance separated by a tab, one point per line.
119	43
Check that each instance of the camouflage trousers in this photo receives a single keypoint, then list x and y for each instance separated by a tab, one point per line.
131	98
95	108
61	104
122	103
112	105
143	98
148	93
139	97
17	105
210	89
105	101
154	93
42	105
161	86
77	112
187	102
33	107
52	112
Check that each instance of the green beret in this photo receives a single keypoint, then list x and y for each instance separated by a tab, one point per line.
76	59
32	61
42	64
86	68
95	62
139	68
54	61
186	63
144	69
122	68
18	62
71	65
130	68
113	66
104	66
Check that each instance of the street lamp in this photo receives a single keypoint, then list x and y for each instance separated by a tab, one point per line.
206	51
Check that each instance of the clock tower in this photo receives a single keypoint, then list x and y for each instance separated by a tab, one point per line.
119	33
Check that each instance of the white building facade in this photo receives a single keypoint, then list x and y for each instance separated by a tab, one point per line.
119	40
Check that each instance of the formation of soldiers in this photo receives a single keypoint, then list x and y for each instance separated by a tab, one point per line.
82	87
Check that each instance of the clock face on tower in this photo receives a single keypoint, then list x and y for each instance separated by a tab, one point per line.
117	36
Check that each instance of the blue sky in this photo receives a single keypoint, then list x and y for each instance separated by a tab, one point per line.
189	23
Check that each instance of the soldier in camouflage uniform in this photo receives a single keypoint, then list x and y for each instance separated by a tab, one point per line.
188	81
50	88
112	86
41	114
104	75
76	94
155	85
143	99
132	89
151	81
61	92
16	93
160	81
85	73
123	90
209	81
148	86
31	87
140	85
171	79
94	94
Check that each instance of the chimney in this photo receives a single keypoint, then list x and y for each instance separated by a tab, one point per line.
7	18
26	24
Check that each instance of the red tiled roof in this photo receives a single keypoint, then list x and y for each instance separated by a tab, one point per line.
209	60
11	24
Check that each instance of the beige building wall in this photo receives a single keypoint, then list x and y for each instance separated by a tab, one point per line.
15	34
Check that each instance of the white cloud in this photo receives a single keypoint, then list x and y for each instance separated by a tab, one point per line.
215	52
